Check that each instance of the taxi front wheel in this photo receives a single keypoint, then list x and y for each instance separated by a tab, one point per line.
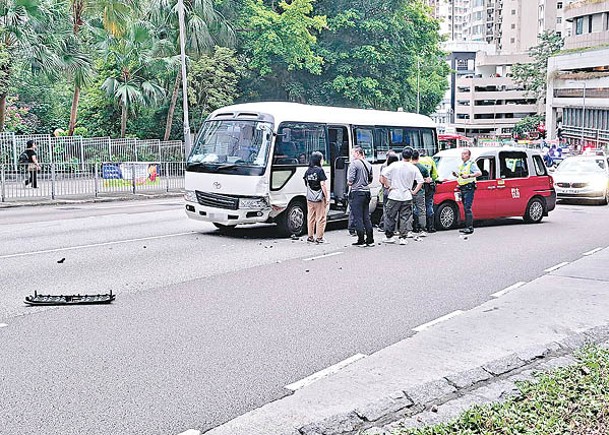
535	211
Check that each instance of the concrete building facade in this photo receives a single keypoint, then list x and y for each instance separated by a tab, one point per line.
577	103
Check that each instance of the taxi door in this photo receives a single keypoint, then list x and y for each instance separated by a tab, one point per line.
513	186
484	206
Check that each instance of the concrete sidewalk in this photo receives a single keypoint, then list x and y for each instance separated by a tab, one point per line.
84	199
547	318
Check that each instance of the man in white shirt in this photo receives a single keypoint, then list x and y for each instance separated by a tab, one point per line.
398	178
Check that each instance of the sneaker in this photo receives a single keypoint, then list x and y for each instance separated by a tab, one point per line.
431	230
389	240
321	241
468	231
358	243
352	233
422	234
370	244
410	235
310	239
403	241
417	239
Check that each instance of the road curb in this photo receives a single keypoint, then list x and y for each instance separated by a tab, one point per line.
66	201
490	382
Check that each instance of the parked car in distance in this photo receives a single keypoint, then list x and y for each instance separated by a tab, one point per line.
514	182
583	177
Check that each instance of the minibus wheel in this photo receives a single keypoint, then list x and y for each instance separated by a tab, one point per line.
293	221
446	216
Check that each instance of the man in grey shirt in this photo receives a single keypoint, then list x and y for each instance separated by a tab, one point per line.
359	178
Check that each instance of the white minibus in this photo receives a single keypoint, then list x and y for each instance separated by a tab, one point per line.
248	160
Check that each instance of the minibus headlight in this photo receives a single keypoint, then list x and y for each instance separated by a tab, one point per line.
252	203
190	196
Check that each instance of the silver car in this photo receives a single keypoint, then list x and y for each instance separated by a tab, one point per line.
583	177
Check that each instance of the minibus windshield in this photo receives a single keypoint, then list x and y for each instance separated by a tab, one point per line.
239	147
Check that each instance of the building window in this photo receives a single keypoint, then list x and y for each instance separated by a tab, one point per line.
513	11
579	25
512	40
559	5
513	26
558	20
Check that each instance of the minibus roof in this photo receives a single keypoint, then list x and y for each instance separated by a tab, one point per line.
282	112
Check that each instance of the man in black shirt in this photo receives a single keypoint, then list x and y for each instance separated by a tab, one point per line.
32	164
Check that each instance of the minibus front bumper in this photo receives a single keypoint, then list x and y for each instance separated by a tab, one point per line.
227	210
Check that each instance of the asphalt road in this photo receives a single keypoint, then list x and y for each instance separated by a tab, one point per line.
207	327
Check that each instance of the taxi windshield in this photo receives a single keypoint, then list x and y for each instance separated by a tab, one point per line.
446	165
582	165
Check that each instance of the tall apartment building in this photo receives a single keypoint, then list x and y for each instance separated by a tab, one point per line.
577	102
484	101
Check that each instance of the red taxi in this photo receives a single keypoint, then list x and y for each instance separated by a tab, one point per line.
514	182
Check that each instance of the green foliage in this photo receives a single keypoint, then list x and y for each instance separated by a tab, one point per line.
213	81
572	400
19	119
115	62
533	76
528	124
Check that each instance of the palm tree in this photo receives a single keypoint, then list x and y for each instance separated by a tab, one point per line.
30	31
115	16
205	27
133	84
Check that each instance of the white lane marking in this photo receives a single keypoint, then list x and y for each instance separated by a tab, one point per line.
3	325
325	372
191	432
594	251
332	254
558	266
424	326
509	289
94	245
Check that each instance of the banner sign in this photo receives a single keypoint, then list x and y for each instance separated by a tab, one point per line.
126	174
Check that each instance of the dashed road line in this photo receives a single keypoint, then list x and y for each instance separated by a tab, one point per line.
509	289
594	251
558	266
332	254
3	325
94	245
424	326
325	372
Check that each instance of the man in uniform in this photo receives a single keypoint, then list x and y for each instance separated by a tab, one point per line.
466	178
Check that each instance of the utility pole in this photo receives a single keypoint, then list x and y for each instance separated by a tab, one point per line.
583	114
187	137
418	84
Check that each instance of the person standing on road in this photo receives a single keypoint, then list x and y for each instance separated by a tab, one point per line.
466	178
430	188
359	178
32	164
399	178
391	157
420	198
317	198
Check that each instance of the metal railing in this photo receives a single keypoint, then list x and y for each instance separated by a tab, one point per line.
89	180
78	151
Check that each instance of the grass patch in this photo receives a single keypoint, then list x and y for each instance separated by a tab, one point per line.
572	400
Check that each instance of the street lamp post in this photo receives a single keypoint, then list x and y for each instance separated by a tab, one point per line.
583	114
187	138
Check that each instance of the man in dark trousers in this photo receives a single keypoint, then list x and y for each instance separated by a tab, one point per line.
359	178
466	179
32	164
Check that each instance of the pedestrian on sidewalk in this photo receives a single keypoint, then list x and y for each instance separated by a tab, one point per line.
399	179
430	188
466	179
359	178
419	199
32	164
317	198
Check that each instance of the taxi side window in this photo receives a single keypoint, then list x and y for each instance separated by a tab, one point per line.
540	167
513	164
487	167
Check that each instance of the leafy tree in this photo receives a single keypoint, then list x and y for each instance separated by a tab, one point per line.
132	84
533	75
528	124
213	81
78	51
205	27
